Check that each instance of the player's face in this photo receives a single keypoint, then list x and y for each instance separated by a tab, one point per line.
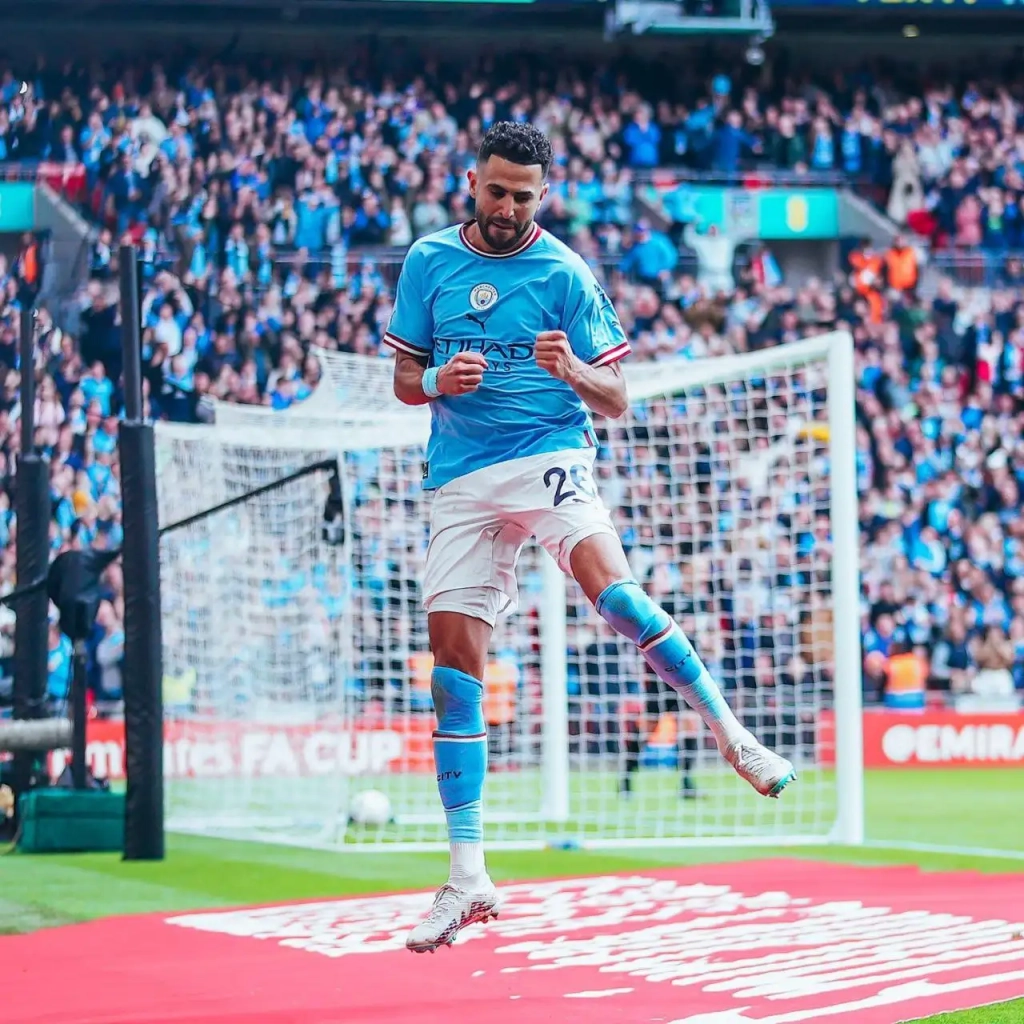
507	197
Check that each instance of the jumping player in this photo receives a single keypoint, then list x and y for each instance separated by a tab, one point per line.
509	337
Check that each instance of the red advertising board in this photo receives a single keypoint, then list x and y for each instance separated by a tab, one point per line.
254	750
932	739
401	743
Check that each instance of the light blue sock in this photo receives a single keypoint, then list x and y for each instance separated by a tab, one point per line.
460	751
631	612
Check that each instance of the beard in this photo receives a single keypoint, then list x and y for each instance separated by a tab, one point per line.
502	237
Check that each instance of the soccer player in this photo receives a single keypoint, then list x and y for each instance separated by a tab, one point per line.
505	332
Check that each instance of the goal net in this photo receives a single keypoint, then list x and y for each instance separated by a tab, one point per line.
296	657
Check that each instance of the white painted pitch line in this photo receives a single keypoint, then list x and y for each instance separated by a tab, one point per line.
600	993
954	851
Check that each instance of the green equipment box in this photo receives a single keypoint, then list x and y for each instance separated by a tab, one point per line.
71	821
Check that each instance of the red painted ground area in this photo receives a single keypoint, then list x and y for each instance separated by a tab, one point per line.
772	942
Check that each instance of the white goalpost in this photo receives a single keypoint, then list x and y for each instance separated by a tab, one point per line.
296	659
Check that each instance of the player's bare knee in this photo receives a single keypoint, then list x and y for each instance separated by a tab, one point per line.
471	662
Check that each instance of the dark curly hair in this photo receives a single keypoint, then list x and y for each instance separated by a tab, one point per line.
518	143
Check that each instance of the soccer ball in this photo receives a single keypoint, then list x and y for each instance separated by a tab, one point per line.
370	807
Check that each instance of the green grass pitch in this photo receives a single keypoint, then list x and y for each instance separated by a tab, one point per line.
960	810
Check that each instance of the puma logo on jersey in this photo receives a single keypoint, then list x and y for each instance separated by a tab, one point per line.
481	321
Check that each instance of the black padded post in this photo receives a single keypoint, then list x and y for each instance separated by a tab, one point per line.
143	646
32	507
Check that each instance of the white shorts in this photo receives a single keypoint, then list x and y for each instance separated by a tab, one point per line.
480	522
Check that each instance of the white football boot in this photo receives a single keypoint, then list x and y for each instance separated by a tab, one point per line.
769	773
453	909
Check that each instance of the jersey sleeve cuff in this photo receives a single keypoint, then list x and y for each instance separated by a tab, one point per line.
612	355
401	345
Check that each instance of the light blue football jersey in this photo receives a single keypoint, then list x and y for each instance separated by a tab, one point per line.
453	298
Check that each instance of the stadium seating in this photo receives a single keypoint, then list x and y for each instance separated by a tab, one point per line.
271	221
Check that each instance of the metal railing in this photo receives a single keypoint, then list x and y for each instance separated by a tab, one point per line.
751	175
980	268
18	170
385	261
67	180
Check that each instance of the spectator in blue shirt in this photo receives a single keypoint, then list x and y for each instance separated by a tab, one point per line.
97	387
643	140
729	142
652	256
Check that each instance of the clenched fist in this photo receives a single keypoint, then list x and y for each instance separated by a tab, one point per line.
554	354
462	374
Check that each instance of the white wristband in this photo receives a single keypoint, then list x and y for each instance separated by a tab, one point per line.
429	383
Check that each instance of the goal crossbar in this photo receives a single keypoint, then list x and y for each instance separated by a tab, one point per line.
341	414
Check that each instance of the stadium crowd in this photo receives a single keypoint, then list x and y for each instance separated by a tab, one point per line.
260	201
223	164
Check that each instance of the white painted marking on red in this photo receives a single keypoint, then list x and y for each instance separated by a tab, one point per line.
765	957
601	993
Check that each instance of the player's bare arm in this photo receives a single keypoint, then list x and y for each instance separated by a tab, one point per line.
602	388
459	376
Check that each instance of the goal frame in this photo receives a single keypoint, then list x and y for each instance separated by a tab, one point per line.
337	418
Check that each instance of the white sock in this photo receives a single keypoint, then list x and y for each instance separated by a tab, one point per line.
467	866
